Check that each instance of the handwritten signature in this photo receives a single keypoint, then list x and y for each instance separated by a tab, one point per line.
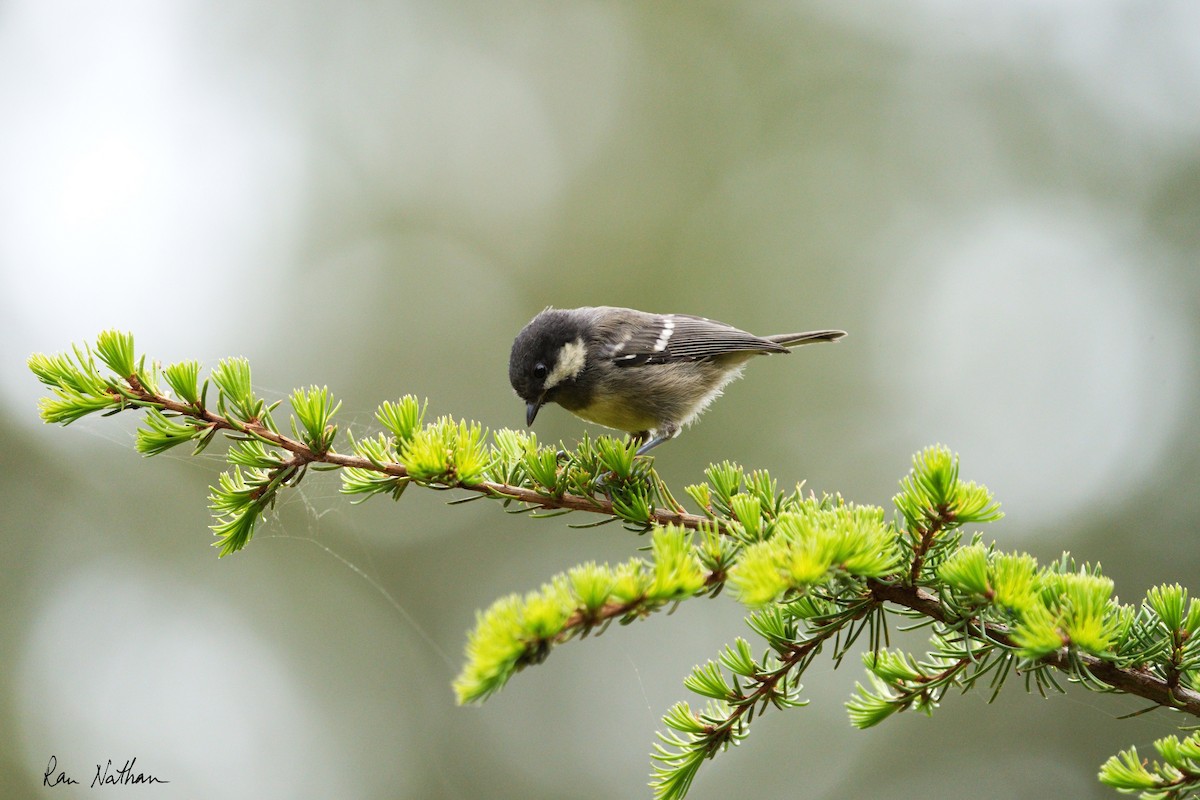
106	775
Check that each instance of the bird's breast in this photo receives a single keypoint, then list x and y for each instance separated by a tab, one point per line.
617	413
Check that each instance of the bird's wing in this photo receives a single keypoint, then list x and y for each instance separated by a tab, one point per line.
664	338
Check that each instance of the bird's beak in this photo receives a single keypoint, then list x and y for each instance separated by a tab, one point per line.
531	410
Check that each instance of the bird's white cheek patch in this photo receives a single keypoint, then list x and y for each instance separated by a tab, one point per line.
570	363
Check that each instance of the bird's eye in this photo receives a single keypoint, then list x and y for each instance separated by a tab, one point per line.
540	371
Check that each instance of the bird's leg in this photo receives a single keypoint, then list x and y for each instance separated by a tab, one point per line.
650	445
663	434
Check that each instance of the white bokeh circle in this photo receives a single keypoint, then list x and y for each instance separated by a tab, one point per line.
1035	338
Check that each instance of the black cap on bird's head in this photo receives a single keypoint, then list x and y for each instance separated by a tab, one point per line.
548	352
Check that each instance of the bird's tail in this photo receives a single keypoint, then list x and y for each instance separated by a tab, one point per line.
797	339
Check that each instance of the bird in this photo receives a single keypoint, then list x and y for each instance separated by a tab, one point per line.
643	373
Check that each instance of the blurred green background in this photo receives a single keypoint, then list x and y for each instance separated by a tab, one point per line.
1000	203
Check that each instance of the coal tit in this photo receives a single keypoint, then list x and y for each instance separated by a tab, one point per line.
646	374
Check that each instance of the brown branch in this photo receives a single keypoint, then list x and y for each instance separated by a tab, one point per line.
304	453
767	684
924	537
581	623
1135	681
